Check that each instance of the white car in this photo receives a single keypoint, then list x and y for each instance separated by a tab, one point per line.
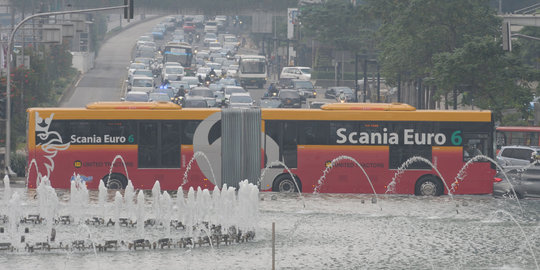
232	70
301	73
230	89
133	67
202	71
240	100
210	27
141	84
214	46
172	73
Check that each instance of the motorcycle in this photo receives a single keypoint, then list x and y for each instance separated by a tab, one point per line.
342	98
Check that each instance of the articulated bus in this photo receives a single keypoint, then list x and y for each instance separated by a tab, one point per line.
145	142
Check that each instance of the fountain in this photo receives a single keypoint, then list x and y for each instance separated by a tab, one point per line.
412	231
392	185
190	163
320	182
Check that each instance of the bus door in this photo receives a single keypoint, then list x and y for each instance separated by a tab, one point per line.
284	133
159	144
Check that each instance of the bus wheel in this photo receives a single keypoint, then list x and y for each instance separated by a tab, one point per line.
284	183
428	185
115	181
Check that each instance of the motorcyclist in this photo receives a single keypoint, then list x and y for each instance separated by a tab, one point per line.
207	79
212	72
180	94
342	97
272	89
200	79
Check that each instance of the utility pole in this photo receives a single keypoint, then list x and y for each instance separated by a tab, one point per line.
11	38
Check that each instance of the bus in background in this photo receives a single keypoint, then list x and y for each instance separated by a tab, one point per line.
252	70
157	141
517	135
179	52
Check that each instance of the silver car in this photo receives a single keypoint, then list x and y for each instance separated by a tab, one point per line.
513	157
525	181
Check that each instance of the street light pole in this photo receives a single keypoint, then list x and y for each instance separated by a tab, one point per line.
11	37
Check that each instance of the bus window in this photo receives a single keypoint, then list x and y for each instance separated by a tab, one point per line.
313	132
170	144
400	154
475	144
148	145
188	130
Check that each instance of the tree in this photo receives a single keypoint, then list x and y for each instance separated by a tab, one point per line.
339	24
482	71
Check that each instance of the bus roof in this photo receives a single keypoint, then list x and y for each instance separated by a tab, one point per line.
177	44
375	112
329	112
519	128
369	106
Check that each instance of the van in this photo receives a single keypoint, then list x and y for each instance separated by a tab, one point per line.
302	73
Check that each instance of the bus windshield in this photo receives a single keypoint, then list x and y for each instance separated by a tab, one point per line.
253	66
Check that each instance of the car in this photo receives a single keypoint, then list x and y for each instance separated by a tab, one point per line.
525	182
289	99
141	84
172	73
136	96
205	93
270	102
210	27
304	88
142	73
220	98
316	104
511	157
191	80
334	93
189	27
229	89
133	66
194	102
159	96
302	73
240	100
284	83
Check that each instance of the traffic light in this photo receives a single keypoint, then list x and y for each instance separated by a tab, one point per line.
129	10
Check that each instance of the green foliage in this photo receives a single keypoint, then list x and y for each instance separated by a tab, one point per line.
339	24
481	69
18	163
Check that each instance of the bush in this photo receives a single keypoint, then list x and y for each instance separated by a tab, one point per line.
18	163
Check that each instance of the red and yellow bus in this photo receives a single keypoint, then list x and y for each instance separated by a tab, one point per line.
157	141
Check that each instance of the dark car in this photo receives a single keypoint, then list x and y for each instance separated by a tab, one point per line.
333	93
194	102
290	99
304	88
270	102
284	83
525	181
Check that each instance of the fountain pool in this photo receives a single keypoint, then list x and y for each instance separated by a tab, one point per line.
331	232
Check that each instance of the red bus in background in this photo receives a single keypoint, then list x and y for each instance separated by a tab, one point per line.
516	135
